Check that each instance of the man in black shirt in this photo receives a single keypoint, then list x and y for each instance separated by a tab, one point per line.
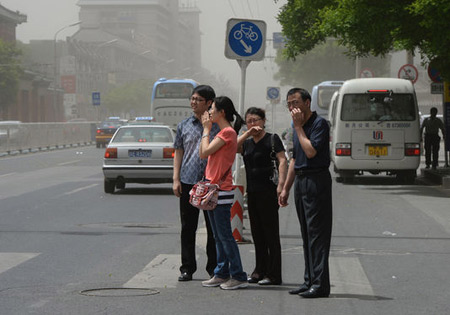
432	125
308	171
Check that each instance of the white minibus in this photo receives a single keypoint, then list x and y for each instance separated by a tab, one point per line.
374	127
321	96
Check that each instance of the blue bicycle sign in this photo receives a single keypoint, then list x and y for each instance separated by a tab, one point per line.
245	39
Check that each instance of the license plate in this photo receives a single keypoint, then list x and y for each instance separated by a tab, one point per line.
378	150
140	153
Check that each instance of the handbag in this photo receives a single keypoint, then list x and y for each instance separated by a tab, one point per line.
273	157
205	195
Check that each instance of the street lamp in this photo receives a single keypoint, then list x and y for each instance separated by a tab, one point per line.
55	74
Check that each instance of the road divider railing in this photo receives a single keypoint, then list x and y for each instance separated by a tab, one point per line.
16	137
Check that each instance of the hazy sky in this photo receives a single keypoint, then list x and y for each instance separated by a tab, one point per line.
45	17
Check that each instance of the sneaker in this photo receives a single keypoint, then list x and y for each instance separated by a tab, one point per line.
214	282
234	284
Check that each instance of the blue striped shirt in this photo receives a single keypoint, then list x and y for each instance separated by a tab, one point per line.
188	138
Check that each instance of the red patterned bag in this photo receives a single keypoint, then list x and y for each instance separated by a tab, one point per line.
204	195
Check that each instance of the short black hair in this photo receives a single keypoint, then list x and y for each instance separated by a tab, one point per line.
303	93
205	91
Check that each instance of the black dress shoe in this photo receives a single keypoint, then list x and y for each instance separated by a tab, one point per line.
314	293
185	277
301	289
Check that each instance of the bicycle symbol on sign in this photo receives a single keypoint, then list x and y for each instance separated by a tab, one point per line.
247	31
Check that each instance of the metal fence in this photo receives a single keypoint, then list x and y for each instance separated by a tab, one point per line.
16	137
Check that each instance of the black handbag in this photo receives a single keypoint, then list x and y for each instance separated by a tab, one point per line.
273	157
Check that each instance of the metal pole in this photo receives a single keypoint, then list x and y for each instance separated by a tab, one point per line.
243	64
55	67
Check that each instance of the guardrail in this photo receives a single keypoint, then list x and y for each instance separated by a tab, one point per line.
32	137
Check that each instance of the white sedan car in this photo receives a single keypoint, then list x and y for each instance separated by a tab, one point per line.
139	154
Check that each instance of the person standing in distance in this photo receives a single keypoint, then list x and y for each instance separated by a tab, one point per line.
432	125
188	169
308	172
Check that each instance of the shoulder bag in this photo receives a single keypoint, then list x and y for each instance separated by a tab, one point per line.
273	157
205	195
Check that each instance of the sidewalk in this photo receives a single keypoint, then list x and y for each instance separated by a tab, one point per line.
439	176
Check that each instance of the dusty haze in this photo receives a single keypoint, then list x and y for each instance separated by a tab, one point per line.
45	17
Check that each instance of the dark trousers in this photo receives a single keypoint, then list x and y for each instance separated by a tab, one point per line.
314	209
189	222
432	143
264	223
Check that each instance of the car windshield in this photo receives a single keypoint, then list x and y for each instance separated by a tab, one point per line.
110	124
154	134
378	107
324	94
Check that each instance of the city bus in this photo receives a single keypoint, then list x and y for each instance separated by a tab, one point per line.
170	100
321	96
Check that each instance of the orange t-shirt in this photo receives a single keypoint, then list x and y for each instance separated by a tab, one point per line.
221	161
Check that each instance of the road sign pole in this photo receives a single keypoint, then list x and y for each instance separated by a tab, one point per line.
243	64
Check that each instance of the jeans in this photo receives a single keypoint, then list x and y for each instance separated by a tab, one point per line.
228	257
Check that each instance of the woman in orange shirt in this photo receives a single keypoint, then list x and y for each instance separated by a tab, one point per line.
221	152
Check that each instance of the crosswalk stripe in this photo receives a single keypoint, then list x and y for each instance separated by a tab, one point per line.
347	276
161	272
10	260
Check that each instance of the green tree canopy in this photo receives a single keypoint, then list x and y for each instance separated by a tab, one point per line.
325	62
130	99
10	71
367	27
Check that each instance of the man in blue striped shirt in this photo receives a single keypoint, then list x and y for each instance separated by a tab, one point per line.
188	169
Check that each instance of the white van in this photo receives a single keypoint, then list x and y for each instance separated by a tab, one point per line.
321	96
374	127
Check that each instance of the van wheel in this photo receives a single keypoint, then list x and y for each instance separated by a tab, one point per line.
120	185
339	179
109	186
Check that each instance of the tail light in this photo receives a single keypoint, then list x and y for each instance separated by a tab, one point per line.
343	149
98	131
111	153
168	153
412	149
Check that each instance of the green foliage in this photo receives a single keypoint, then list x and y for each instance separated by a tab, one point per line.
325	62
10	71
132	98
367	27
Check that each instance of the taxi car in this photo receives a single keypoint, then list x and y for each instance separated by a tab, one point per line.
139	154
106	129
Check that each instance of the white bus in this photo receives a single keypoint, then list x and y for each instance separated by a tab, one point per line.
170	100
374	126
321	96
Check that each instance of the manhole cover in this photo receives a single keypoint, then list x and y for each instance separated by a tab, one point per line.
116	292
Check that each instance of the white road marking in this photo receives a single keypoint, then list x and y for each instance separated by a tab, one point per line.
79	189
161	272
347	276
69	162
8	174
10	260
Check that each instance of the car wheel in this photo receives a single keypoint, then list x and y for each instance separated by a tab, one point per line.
109	186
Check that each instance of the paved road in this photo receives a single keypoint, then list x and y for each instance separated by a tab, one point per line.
62	239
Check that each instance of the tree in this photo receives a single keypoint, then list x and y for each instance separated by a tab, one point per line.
130	99
367	27
325	62
10	71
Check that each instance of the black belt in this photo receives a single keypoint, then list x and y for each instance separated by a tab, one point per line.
309	171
